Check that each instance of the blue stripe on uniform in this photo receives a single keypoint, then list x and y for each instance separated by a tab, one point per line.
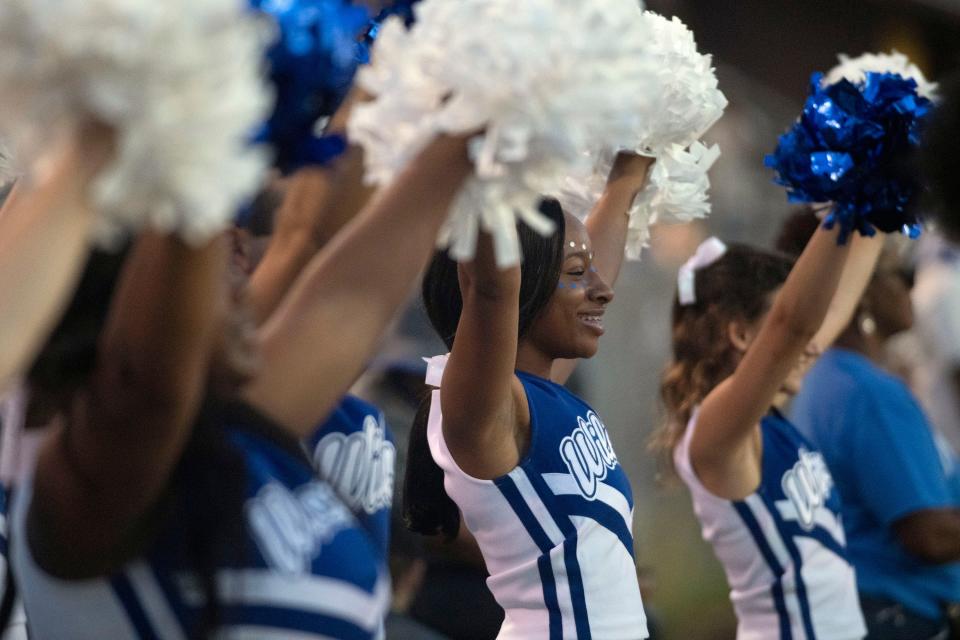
131	604
605	515
576	588
779	602
569	531
509	490
797	559
293	620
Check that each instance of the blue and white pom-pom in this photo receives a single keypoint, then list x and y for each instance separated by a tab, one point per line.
178	80
853	141
312	62
688	102
541	80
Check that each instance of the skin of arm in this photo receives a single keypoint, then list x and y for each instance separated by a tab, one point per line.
933	535
105	464
607	226
856	274
318	202
724	448
44	239
318	340
480	391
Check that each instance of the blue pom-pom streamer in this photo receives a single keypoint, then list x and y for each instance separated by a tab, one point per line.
311	64
402	8
852	145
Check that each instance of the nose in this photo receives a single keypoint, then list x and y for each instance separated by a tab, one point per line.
598	290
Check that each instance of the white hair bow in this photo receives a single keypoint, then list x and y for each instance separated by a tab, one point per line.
709	251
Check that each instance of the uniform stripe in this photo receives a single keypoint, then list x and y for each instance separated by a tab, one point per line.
154	602
604	515
128	600
310	594
578	603
561	484
797	558
509	490
537	502
779	602
576	589
293	621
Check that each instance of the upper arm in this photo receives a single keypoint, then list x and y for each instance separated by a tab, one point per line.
111	456
479	390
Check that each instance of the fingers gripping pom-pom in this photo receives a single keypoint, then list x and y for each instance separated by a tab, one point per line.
179	83
469	66
852	145
688	102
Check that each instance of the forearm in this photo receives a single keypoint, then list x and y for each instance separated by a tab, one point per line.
347	295
932	535
856	275
44	240
801	306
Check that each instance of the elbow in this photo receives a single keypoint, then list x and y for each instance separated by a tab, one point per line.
932	535
931	550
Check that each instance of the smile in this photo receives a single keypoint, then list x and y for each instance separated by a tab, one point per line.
592	320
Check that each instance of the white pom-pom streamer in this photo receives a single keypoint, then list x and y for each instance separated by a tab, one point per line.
541	80
688	102
8	165
178	80
855	70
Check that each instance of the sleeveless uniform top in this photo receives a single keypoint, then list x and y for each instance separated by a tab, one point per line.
16	628
305	570
556	532
354	451
783	546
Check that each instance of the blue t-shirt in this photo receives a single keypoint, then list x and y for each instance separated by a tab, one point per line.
354	451
887	464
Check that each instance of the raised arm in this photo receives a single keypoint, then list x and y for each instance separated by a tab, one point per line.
318	202
107	462
607	225
723	446
319	338
480	391
44	238
856	275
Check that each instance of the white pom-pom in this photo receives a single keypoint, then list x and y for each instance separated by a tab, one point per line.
688	99
688	102
855	70
540	80
178	80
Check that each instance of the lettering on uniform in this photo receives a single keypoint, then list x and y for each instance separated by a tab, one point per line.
807	486
291	527
359	465
588	454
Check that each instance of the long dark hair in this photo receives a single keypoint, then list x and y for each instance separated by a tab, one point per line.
204	499
427	508
735	287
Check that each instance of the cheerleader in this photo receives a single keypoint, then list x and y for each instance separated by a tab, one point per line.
165	502
529	465
744	325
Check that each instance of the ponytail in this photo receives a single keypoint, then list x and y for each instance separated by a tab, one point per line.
427	509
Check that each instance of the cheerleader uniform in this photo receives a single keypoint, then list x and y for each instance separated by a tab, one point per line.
782	547
555	532
354	451
305	569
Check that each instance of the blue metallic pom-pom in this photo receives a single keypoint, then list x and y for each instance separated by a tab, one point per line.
311	64
852	146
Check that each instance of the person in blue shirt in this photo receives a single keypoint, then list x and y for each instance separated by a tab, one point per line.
899	481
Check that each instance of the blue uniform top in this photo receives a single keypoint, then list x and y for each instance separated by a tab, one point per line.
303	566
887	464
556	531
354	451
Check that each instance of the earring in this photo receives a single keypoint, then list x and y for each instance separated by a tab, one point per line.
868	326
